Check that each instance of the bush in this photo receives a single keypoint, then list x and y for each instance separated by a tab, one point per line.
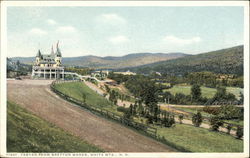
215	123
168	120
122	109
197	119
229	127
239	132
211	110
181	118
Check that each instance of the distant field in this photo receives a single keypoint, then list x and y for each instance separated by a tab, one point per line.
29	133
77	89
206	92
197	139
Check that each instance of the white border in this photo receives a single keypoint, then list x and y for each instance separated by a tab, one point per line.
244	4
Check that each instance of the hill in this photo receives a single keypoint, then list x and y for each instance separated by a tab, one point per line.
111	62
225	61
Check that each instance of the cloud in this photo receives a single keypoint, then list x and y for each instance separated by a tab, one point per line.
112	18
66	29
180	41
118	39
51	22
37	31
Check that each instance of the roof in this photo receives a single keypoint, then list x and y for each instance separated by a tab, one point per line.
58	52
38	53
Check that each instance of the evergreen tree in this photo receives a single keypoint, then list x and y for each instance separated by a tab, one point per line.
196	92
197	119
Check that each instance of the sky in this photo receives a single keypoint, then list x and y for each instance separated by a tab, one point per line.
117	31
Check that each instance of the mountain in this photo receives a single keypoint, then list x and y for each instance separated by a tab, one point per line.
111	62
225	61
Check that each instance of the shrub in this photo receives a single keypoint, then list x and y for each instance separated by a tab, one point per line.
197	119
239	132
168	120
181	118
215	123
122	109
211	110
229	127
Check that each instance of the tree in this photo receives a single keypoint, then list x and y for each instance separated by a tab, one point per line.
168	119
196	92
181	118
197	119
239	132
220	94
215	123
241	98
229	127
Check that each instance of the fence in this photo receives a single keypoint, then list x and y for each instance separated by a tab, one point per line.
151	131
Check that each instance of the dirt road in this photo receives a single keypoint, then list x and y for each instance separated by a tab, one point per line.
36	96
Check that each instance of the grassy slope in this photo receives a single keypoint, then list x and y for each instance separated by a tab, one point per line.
206	92
76	89
28	133
201	140
188	137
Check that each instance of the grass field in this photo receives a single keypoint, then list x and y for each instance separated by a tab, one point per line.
77	89
29	133
196	139
206	92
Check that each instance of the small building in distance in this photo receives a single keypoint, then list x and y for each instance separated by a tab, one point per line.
126	73
48	66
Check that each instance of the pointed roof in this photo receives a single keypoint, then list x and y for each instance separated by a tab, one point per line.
39	54
58	51
52	51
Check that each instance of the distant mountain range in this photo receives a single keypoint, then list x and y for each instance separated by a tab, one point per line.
224	61
111	62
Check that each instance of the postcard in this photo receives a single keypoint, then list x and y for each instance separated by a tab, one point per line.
124	79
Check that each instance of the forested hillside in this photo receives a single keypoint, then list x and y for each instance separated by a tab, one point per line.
225	61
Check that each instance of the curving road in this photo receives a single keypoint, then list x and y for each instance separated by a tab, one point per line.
36	96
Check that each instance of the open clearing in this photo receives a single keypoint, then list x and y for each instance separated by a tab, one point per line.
36	96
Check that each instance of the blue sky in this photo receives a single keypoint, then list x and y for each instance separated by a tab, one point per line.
116	31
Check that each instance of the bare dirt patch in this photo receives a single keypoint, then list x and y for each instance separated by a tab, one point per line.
35	96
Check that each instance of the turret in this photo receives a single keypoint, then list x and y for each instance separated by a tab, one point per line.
58	51
39	54
38	57
52	51
58	55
